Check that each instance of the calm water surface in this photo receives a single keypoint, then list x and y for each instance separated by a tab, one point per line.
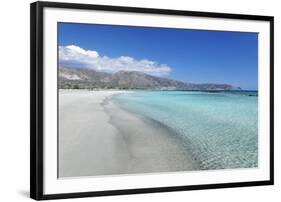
220	130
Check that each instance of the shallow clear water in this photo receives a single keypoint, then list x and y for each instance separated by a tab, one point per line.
220	130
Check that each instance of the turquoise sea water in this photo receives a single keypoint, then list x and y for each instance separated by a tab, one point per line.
220	130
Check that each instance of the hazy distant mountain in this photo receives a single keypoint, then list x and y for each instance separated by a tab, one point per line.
91	79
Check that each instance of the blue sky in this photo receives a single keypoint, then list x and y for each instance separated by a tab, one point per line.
187	55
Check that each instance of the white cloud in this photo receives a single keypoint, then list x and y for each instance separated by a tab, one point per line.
78	57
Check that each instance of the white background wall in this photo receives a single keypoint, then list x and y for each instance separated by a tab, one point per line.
14	101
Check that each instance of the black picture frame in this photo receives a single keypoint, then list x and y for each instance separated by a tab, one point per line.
36	99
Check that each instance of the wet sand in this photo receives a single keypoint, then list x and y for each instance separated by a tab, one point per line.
97	137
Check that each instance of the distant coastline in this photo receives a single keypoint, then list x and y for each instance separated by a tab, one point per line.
243	92
81	78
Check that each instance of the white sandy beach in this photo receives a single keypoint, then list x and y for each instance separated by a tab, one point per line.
96	137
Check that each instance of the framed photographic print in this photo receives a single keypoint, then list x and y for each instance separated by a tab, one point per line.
136	100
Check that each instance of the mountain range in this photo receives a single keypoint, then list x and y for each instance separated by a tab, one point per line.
81	78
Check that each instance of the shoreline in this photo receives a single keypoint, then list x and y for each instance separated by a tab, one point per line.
144	133
97	137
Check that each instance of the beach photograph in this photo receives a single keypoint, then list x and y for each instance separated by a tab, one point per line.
140	100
